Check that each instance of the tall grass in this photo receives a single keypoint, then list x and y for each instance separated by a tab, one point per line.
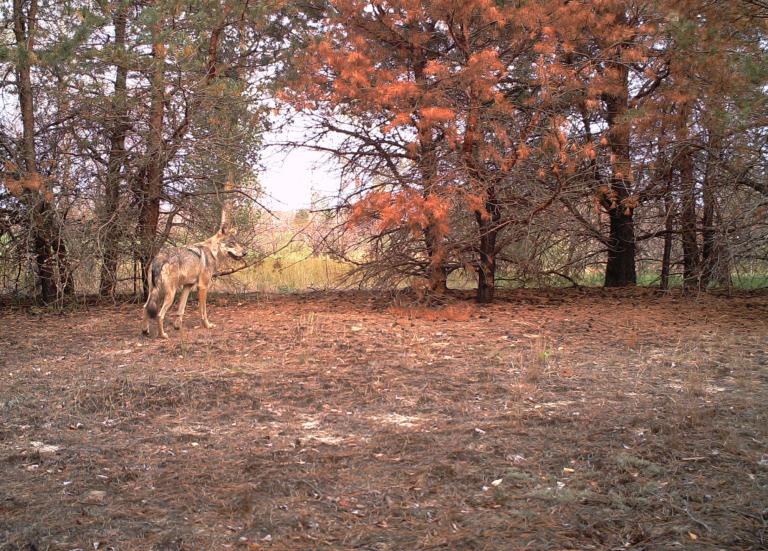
293	272
750	280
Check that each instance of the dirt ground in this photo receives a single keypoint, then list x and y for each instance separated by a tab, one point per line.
549	420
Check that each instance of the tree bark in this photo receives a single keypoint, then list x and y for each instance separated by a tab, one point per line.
48	248
487	218
664	174
688	231
666	261
486	268
708	257
152	176
110	218
24	27
437	272
620	268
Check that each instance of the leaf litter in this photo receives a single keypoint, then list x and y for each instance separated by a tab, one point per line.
418	431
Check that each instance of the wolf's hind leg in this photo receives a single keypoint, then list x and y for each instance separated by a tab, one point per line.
167	301
145	322
179	323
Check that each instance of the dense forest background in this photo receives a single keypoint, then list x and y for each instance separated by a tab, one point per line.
479	143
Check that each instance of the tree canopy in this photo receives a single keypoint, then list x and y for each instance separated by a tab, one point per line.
533	142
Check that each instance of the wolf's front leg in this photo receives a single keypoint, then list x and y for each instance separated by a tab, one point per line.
202	294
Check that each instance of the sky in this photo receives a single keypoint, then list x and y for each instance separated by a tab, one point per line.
289	178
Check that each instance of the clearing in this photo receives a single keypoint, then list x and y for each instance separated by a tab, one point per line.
573	419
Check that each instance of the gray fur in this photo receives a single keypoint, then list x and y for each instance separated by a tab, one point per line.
185	268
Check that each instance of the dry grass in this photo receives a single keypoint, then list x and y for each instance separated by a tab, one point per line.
336	421
293	272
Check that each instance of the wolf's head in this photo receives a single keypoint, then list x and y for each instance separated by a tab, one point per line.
226	241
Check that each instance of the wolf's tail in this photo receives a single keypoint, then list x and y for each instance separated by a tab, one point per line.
152	303
154	274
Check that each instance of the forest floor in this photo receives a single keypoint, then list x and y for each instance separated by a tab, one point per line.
573	419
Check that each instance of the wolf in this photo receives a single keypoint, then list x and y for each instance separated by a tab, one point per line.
189	268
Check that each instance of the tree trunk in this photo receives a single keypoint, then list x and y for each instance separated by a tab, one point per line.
48	249
688	208
666	260
486	268
664	174
111	219
708	257
152	181
620	268
487	218
437	272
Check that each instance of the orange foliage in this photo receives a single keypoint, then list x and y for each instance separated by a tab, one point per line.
436	69
29	182
405	208
391	92
432	115
33	182
443	68
400	119
13	186
589	151
523	152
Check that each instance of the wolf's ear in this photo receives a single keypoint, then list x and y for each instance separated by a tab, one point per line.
224	225
225	204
